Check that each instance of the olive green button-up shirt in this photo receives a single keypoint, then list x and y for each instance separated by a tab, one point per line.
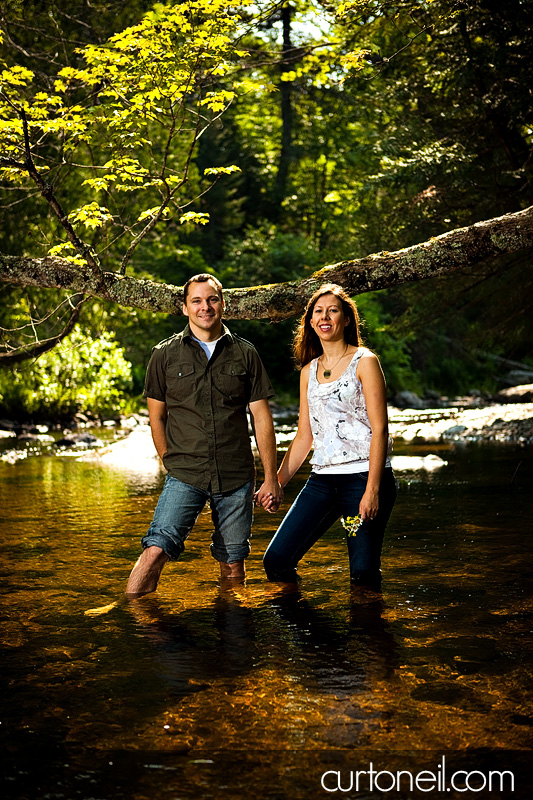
208	443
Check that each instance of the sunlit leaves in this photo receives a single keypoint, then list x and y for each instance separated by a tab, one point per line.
152	212
353	5
66	251
14	77
129	114
217	101
356	60
195	217
91	216
127	168
81	374
221	170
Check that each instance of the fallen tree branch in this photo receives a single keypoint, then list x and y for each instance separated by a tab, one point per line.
450	252
24	353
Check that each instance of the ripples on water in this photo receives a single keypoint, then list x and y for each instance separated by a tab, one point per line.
201	690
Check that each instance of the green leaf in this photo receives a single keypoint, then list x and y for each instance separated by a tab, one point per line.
195	217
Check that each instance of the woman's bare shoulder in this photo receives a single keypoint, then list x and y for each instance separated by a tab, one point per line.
366	352
368	364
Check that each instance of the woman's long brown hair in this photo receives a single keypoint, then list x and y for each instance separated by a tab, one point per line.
306	344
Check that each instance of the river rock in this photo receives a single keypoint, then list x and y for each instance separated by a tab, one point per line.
28	436
455	430
134	453
407	399
74	439
428	463
517	394
8	425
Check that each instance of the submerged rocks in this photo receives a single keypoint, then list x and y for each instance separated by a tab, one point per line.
79	439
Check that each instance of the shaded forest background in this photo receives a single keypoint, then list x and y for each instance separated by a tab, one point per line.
430	130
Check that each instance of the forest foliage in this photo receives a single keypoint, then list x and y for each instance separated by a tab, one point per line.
260	142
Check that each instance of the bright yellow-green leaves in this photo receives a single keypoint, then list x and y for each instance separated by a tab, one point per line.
91	215
129	114
166	60
193	216
352	5
221	170
16	76
66	251
217	101
150	213
356	60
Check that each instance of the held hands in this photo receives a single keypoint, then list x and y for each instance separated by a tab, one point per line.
270	496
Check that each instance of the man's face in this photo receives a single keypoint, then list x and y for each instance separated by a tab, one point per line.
204	307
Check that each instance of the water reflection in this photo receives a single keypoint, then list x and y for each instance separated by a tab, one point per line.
105	697
197	646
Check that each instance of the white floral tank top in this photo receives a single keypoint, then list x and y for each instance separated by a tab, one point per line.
339	419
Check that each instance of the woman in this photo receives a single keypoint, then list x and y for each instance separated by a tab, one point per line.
343	416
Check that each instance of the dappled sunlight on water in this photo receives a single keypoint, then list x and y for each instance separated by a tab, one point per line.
109	697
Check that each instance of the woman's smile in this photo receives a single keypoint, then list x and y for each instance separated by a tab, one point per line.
328	317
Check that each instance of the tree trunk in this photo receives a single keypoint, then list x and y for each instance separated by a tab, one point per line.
285	89
445	254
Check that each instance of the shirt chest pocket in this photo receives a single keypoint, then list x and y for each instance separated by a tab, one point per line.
232	381
181	381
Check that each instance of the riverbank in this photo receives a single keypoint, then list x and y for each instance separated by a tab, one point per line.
510	424
506	423
127	443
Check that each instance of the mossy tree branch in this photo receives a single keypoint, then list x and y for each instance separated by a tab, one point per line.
451	252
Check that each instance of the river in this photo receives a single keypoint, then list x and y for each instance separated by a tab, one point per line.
200	691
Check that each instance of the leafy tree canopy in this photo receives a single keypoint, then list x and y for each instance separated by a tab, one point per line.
259	141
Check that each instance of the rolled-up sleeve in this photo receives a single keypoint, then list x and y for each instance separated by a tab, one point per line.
155	384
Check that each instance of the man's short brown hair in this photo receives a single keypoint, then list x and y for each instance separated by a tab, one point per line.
202	277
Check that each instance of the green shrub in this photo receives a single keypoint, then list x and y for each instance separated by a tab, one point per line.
81	374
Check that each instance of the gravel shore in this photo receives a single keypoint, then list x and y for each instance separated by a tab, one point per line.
510	422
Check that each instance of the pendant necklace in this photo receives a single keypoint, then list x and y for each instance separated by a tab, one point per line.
327	372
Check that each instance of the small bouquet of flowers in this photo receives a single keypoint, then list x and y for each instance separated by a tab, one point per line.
351	524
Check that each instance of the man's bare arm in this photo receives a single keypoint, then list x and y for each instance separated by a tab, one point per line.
266	444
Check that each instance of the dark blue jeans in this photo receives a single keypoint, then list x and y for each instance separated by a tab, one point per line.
322	501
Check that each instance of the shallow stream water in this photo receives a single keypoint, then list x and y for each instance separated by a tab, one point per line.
205	691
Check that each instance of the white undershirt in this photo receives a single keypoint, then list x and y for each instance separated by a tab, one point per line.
207	347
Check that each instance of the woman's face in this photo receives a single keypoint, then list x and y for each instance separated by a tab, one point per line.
328	319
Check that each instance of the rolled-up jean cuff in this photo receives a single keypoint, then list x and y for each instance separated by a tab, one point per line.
167	543
228	554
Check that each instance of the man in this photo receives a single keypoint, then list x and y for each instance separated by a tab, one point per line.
199	384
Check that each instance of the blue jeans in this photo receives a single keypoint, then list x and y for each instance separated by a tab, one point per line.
321	502
179	507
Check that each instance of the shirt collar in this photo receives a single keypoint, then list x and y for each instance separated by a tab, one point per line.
225	332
